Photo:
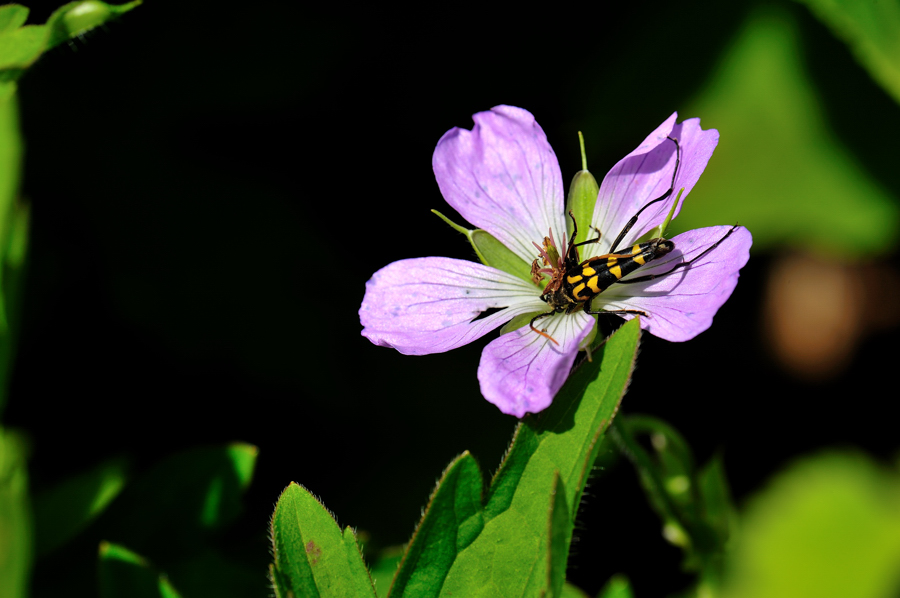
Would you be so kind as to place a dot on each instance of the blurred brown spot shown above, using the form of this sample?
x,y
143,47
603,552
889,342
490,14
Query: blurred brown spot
x,y
816,310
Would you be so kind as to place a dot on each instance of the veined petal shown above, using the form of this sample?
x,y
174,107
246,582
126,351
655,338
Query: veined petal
x,y
503,176
644,175
429,305
682,304
522,371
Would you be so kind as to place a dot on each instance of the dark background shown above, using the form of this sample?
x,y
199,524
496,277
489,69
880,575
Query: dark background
x,y
213,183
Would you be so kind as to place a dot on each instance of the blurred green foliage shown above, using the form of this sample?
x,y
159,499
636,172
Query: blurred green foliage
x,y
871,30
779,168
828,526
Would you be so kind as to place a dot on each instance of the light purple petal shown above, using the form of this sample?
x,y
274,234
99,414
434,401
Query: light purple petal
x,y
521,371
503,176
645,174
427,305
681,305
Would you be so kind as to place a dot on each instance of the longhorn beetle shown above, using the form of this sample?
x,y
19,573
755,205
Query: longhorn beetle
x,y
574,284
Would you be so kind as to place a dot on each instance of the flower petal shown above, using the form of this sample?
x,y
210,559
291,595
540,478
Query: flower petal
x,y
429,305
503,176
522,371
644,175
682,304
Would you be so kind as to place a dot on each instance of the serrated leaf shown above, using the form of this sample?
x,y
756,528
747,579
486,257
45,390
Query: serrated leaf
x,y
312,556
67,508
510,557
810,193
451,521
126,574
871,30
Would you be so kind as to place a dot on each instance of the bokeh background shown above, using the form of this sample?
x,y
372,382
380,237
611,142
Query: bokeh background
x,y
212,183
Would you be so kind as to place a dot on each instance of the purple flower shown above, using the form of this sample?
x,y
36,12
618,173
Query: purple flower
x,y
503,177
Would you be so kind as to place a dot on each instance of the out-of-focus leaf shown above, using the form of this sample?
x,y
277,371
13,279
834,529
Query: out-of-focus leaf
x,y
382,572
312,556
167,510
12,16
15,517
77,18
21,46
777,169
14,219
64,510
125,574
695,507
827,527
617,587
570,591
871,30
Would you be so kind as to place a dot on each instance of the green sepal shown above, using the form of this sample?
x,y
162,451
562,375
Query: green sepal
x,y
664,227
492,252
126,574
582,199
61,512
312,556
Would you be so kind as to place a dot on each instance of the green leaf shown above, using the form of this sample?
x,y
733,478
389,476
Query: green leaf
x,y
14,222
871,30
570,591
169,509
312,557
77,18
21,46
12,16
125,574
618,586
452,520
512,554
679,494
777,169
15,517
560,532
63,511
490,251
383,571
828,526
